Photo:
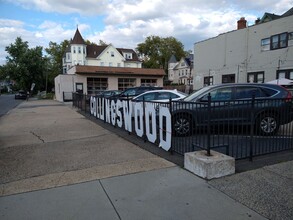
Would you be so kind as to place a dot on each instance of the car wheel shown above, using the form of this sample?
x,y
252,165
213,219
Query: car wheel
x,y
182,125
267,124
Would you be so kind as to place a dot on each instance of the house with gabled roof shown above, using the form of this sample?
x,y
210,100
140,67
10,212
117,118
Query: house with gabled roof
x,y
80,53
91,68
258,53
181,72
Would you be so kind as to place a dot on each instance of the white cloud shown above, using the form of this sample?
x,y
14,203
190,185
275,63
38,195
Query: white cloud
x,y
84,7
129,22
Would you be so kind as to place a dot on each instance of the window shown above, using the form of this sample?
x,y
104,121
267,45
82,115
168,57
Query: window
x,y
79,88
68,56
249,92
265,44
74,51
112,54
147,97
222,94
96,85
166,95
255,77
208,80
288,74
83,50
148,82
290,39
229,78
279,41
128,55
79,50
124,83
290,36
102,63
110,64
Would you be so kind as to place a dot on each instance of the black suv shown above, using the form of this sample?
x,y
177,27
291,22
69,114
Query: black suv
x,y
233,104
134,91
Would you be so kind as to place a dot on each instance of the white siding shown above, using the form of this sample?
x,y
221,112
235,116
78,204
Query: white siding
x,y
239,52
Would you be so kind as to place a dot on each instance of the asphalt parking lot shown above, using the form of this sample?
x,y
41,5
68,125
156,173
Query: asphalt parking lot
x,y
57,164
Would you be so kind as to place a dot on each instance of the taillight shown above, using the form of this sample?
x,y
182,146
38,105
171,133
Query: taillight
x,y
288,98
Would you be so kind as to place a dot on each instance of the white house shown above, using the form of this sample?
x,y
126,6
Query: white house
x,y
89,69
258,53
181,72
80,53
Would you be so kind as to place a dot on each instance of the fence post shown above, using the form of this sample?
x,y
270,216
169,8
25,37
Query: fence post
x,y
170,108
127,98
84,95
209,127
251,127
73,99
144,120
104,100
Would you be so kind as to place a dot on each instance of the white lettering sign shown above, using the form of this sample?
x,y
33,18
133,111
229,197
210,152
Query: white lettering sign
x,y
145,118
138,116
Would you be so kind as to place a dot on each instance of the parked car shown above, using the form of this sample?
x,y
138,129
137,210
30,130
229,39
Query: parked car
x,y
110,93
231,104
135,91
21,94
160,96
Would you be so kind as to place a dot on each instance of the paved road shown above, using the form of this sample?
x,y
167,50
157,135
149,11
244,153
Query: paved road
x,y
7,102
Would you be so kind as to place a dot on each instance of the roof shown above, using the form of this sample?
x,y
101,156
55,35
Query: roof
x,y
94,50
188,61
270,17
288,13
77,39
124,50
80,69
172,59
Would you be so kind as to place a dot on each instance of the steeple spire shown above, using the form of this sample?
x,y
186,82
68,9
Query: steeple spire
x,y
77,39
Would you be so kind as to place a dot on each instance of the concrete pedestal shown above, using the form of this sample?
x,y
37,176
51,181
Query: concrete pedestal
x,y
209,167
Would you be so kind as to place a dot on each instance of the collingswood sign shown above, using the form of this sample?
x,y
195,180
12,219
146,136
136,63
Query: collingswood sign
x,y
110,111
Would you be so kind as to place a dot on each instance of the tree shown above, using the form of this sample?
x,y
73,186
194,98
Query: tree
x,y
55,53
101,43
24,65
156,51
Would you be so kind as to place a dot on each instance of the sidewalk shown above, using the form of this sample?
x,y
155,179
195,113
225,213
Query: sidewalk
x,y
56,164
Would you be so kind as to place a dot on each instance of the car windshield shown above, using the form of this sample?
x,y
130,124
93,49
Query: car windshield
x,y
192,96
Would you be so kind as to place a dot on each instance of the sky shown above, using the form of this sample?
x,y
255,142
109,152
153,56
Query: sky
x,y
126,23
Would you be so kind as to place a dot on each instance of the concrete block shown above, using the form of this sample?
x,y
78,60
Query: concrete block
x,y
209,167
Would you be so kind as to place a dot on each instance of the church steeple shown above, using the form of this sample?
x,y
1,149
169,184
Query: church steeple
x,y
77,39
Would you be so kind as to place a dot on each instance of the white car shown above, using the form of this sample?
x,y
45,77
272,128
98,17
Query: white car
x,y
160,96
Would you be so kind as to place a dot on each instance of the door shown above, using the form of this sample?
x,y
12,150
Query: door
x,y
79,88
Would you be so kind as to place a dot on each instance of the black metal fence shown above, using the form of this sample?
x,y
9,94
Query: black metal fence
x,y
241,129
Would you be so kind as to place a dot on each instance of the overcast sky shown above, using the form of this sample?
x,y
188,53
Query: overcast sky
x,y
125,23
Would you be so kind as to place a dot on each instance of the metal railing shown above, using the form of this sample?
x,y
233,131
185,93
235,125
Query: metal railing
x,y
241,129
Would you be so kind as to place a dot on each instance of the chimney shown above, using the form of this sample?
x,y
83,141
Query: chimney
x,y
257,21
241,23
